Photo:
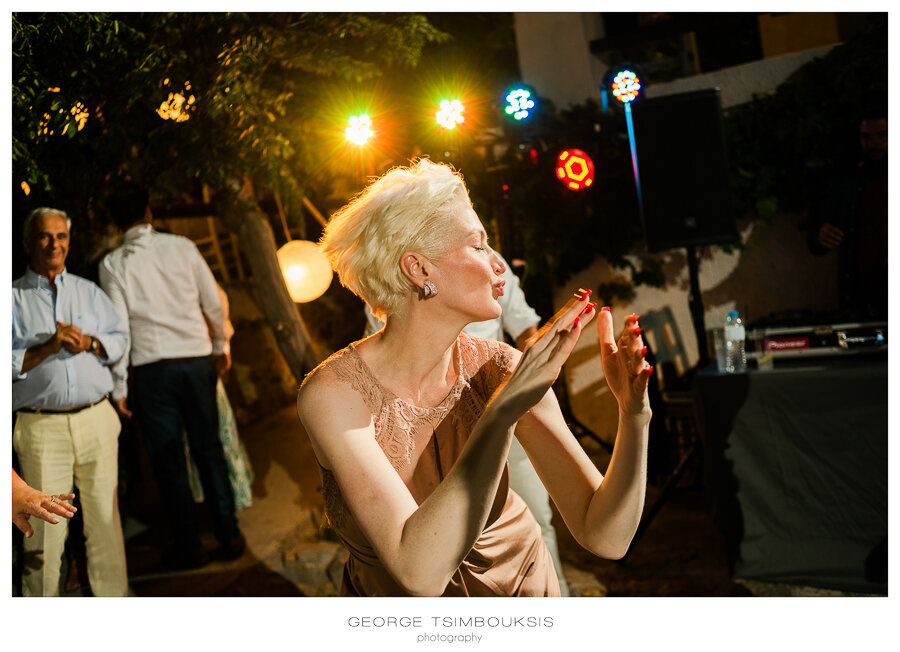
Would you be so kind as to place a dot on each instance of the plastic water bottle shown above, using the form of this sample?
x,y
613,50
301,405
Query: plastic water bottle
x,y
735,336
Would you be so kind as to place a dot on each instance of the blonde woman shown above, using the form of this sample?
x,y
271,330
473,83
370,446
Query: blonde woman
x,y
411,426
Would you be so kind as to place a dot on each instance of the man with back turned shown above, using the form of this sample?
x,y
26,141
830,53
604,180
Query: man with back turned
x,y
160,283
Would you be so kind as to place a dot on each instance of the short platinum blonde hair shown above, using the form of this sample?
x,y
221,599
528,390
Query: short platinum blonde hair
x,y
407,209
34,216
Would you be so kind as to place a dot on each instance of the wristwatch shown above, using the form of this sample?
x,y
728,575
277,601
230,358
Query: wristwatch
x,y
95,345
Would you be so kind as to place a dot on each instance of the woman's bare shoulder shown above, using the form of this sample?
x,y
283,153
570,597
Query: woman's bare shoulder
x,y
328,384
332,411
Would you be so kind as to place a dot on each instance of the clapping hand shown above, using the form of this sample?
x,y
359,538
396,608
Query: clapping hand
x,y
71,338
545,353
626,370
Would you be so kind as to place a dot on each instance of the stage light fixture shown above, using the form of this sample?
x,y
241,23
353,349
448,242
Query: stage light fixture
x,y
360,129
626,86
519,103
575,169
450,114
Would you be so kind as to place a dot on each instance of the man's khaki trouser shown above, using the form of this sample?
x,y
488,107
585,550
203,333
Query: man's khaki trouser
x,y
55,451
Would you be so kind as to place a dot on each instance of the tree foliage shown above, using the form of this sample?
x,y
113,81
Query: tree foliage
x,y
249,87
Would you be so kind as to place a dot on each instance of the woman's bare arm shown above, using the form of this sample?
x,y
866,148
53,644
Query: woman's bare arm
x,y
602,512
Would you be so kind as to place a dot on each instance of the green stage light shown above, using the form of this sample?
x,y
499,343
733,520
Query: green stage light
x,y
519,103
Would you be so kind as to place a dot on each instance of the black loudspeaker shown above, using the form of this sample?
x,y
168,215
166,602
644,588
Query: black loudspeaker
x,y
683,169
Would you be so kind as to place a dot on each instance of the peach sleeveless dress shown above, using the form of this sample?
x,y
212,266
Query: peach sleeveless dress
x,y
510,557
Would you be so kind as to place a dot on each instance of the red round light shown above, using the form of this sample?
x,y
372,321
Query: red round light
x,y
575,169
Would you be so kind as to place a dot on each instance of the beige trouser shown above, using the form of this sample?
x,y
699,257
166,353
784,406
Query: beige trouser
x,y
54,450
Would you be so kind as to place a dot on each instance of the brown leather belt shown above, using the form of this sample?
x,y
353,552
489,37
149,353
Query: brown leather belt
x,y
71,410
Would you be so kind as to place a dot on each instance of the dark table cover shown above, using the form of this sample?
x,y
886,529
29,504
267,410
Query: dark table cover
x,y
795,466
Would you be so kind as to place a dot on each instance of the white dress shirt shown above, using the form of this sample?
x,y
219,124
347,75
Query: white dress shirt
x,y
161,285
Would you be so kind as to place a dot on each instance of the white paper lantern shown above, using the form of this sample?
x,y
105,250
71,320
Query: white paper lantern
x,y
307,272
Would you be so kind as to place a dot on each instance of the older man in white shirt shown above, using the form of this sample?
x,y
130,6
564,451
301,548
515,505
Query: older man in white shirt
x,y
65,335
160,283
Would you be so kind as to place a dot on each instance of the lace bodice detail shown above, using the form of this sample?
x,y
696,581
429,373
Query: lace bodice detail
x,y
423,443
402,428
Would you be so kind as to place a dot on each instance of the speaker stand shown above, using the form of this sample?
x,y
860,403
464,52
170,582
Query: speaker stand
x,y
695,302
669,485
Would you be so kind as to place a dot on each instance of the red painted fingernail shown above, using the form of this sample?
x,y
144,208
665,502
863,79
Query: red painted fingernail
x,y
644,351
588,309
576,322
606,308
637,330
650,371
